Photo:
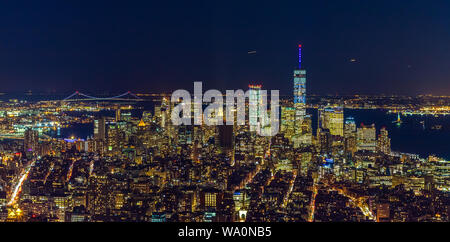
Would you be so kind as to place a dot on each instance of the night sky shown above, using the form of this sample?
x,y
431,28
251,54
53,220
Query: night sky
x,y
398,47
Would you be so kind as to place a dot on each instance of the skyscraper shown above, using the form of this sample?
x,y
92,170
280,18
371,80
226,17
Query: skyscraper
x,y
288,121
302,130
31,139
366,138
99,129
254,113
350,127
332,118
350,135
299,91
118,116
225,137
384,142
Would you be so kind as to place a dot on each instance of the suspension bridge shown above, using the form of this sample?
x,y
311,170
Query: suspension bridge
x,y
78,96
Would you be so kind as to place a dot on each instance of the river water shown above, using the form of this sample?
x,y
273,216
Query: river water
x,y
415,134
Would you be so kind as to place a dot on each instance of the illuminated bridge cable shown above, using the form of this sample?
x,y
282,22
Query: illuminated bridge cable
x,y
77,93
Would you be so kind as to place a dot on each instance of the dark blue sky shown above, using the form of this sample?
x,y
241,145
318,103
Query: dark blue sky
x,y
400,47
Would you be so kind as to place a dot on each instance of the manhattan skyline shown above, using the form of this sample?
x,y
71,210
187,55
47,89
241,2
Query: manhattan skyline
x,y
253,112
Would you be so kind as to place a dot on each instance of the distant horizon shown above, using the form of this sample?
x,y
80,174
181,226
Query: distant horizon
x,y
168,93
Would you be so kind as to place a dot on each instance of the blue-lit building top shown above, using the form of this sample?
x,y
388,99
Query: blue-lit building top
x,y
300,86
350,120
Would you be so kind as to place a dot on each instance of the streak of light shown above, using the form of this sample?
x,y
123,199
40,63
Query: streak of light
x,y
312,206
18,187
49,172
69,173
291,187
357,202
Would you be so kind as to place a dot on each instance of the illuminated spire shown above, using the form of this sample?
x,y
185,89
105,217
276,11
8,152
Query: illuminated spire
x,y
299,56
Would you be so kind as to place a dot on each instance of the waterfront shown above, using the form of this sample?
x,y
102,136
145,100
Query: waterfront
x,y
410,137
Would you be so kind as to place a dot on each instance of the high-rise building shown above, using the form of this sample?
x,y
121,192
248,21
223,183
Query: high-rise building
x,y
255,97
116,138
225,137
367,138
302,123
299,91
184,134
287,122
100,129
118,116
349,127
243,149
384,142
332,118
31,140
350,135
303,137
324,138
164,112
98,195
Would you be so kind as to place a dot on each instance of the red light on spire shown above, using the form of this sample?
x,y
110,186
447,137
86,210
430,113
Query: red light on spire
x,y
299,46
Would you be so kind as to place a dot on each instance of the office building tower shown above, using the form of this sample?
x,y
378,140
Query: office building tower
x,y
184,134
304,134
225,137
118,116
325,141
350,135
287,122
299,92
255,98
349,127
31,140
366,138
384,142
100,128
332,118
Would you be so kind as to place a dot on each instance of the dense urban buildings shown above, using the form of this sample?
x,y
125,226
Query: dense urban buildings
x,y
224,119
122,159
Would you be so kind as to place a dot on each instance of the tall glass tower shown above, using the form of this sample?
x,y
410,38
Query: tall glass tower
x,y
254,114
299,90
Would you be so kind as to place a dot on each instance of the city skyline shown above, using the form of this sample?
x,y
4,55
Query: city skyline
x,y
255,114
